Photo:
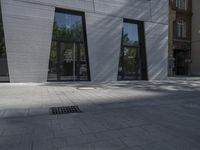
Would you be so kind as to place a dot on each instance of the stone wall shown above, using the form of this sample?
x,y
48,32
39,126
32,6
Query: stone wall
x,y
28,30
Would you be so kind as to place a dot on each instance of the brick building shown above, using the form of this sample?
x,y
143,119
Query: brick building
x,y
180,21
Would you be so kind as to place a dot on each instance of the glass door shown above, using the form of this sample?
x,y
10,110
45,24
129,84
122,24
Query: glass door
x,y
72,63
68,58
129,64
67,61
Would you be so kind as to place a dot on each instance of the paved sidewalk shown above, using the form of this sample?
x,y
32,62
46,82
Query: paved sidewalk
x,y
115,116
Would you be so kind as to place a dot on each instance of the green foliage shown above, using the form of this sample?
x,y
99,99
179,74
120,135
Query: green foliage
x,y
74,33
127,41
130,55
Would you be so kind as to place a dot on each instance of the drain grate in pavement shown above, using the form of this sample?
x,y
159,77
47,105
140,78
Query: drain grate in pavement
x,y
64,110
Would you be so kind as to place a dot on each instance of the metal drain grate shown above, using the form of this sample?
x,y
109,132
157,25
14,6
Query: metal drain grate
x,y
64,110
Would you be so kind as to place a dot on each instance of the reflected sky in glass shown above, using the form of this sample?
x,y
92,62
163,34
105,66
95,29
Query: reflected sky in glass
x,y
131,32
67,20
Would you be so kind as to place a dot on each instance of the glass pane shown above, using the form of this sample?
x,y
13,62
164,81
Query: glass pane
x,y
130,63
68,27
130,34
3,57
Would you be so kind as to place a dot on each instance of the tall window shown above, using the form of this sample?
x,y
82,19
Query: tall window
x,y
68,57
3,58
132,57
181,28
181,4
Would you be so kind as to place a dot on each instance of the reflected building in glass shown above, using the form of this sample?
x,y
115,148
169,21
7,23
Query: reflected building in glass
x,y
89,40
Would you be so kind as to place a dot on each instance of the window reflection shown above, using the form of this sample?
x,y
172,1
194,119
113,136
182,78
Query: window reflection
x,y
68,27
129,65
130,34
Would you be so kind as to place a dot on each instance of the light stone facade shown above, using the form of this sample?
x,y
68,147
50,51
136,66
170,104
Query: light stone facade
x,y
28,28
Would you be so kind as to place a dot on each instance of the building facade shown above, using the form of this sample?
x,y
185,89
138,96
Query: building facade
x,y
83,40
195,68
180,14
